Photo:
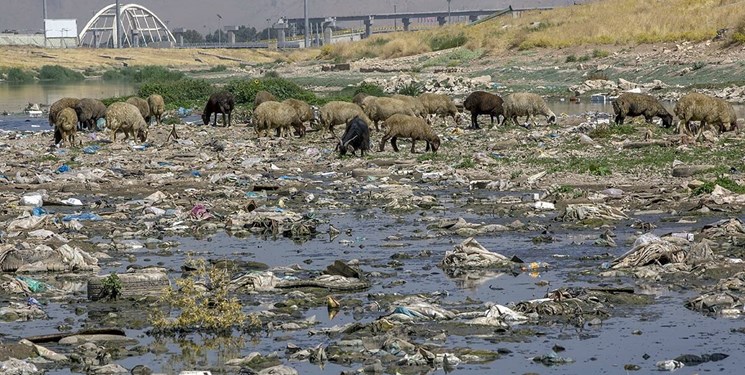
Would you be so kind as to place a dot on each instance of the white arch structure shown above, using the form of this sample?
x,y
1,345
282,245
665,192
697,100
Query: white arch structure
x,y
102,31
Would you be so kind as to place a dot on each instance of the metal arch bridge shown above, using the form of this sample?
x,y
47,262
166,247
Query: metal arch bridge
x,y
139,27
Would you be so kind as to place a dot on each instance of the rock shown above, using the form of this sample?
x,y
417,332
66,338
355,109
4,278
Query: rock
x,y
690,170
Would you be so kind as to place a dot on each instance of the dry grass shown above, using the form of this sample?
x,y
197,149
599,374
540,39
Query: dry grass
x,y
610,22
81,58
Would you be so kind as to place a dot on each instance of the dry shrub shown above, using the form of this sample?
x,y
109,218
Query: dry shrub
x,y
403,47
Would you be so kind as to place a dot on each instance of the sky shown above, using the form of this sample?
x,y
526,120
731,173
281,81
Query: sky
x,y
201,15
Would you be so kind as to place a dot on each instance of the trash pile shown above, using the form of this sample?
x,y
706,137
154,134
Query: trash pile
x,y
439,84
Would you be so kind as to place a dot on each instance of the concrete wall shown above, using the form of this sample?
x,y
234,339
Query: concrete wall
x,y
37,40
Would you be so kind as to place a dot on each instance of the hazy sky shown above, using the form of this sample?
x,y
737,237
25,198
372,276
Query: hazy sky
x,y
201,15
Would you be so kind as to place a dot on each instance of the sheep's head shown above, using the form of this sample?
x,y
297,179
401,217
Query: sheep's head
x,y
206,118
552,119
667,120
435,144
142,134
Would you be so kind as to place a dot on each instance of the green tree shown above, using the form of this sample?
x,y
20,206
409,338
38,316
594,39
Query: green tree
x,y
192,36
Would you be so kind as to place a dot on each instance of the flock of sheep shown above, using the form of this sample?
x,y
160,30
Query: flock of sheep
x,y
403,116
68,115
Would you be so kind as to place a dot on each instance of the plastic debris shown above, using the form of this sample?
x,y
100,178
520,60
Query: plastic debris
x,y
87,216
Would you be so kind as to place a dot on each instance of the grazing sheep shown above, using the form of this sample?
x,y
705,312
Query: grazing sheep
x,y
439,105
60,105
405,126
275,115
416,105
304,111
359,98
66,126
142,105
726,122
706,109
336,112
380,109
484,103
126,118
157,107
264,96
356,137
219,102
632,105
526,104
89,111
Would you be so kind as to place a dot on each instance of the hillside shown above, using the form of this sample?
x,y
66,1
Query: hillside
x,y
602,23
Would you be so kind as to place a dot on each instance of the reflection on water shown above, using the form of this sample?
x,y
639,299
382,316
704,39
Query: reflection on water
x,y
14,98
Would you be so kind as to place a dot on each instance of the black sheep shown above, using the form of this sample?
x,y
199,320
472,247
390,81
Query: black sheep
x,y
483,103
219,102
631,105
356,137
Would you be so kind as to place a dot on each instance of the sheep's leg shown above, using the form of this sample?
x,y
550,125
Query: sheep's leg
x,y
413,143
393,144
382,143
619,119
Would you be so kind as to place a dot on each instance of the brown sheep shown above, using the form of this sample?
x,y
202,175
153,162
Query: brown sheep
x,y
483,103
632,105
157,107
405,126
416,105
380,109
126,118
66,125
89,111
337,112
142,105
304,111
359,98
275,115
439,105
263,96
526,104
60,105
706,109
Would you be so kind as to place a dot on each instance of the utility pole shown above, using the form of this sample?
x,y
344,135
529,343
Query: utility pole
x,y
395,26
305,14
219,30
449,12
44,8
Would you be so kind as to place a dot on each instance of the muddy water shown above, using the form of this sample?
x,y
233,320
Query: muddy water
x,y
14,98
662,330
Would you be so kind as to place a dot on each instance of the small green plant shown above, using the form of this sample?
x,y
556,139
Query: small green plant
x,y
571,59
410,89
698,65
271,74
59,73
584,58
466,163
457,57
441,42
516,174
185,92
245,90
143,74
599,53
722,181
111,287
217,69
598,169
18,75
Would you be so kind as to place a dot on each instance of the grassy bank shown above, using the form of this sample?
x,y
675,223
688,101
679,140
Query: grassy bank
x,y
610,22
